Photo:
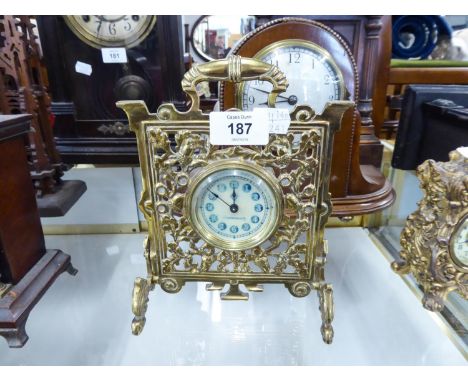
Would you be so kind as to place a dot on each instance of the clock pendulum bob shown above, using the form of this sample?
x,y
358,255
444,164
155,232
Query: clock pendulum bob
x,y
434,241
232,215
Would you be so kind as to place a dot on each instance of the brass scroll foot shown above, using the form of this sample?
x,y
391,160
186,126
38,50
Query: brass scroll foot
x,y
141,291
401,267
325,295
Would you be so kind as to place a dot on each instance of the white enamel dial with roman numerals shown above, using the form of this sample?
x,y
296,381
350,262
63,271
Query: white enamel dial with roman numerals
x,y
108,31
314,78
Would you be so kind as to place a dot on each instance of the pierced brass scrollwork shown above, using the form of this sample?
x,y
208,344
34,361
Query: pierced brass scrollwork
x,y
174,147
425,239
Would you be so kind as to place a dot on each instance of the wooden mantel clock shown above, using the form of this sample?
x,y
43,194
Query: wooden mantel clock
x,y
320,67
84,87
234,215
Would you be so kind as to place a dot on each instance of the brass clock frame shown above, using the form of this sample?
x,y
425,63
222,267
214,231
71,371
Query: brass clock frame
x,y
235,164
427,238
91,39
296,42
174,145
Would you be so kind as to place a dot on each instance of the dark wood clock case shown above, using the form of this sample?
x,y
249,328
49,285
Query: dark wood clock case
x,y
88,126
356,188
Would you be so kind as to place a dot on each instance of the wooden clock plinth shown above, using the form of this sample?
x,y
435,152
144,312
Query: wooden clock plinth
x,y
18,301
27,269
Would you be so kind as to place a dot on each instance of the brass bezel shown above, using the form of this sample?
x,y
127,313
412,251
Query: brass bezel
x,y
296,42
91,39
251,242
458,264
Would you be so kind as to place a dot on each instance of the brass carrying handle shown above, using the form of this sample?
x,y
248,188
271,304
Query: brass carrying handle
x,y
234,69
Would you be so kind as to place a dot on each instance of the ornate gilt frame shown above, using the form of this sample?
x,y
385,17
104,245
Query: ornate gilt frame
x,y
426,237
174,145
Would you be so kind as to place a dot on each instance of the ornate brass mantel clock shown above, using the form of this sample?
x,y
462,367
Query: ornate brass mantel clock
x,y
435,238
234,215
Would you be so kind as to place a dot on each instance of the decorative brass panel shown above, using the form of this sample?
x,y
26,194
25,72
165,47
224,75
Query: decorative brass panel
x,y
174,152
426,240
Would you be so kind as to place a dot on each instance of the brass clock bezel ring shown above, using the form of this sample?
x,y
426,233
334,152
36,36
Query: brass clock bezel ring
x,y
251,242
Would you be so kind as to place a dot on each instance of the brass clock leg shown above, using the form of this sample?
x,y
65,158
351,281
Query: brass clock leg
x,y
435,296
234,293
141,291
325,294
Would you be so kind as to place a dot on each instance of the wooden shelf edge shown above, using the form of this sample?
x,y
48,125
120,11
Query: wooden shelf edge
x,y
364,204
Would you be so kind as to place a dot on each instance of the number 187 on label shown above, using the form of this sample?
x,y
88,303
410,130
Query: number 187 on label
x,y
238,128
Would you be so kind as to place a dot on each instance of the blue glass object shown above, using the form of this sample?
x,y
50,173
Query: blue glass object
x,y
258,208
245,226
213,218
222,226
255,196
209,207
234,229
255,219
211,196
247,187
234,184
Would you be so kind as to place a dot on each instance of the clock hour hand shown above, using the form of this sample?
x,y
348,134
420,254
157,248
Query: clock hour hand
x,y
267,92
234,207
292,100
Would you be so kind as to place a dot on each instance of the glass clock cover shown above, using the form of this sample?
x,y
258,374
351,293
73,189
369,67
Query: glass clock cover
x,y
235,206
314,78
108,31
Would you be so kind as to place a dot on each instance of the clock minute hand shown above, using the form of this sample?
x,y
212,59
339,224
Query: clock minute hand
x,y
217,196
266,103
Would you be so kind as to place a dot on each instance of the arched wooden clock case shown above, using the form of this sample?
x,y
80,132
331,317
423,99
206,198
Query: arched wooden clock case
x,y
355,189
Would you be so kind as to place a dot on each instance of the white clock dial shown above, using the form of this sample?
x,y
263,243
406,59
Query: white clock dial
x,y
116,30
234,208
459,247
314,78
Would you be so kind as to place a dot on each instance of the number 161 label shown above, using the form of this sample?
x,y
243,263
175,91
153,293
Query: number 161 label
x,y
238,128
114,55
